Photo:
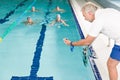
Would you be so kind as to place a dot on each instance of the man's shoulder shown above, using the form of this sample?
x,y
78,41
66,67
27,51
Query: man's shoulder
x,y
108,10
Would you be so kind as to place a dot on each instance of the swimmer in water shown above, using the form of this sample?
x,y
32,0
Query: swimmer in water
x,y
29,21
58,9
58,20
34,9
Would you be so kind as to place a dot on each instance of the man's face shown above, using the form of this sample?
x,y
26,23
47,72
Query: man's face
x,y
88,16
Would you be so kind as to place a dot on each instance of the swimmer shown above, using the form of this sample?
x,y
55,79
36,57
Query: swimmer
x,y
59,20
34,9
58,9
29,21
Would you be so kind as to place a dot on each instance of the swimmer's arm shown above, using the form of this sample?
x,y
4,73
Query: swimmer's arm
x,y
31,23
54,10
37,10
62,10
52,23
26,23
64,23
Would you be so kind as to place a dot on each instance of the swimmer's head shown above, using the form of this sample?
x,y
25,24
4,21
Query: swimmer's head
x,y
29,20
33,9
58,16
57,8
28,17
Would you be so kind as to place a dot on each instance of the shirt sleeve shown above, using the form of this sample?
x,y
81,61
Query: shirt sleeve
x,y
96,28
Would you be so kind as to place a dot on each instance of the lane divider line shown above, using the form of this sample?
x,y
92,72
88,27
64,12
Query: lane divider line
x,y
15,22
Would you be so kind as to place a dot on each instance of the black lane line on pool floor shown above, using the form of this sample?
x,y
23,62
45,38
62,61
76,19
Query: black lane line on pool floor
x,y
37,55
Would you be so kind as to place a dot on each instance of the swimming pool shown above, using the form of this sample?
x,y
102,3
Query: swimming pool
x,y
38,49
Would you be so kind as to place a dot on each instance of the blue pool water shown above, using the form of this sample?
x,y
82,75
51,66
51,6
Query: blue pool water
x,y
39,47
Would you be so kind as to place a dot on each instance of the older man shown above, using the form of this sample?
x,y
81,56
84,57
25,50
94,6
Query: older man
x,y
106,21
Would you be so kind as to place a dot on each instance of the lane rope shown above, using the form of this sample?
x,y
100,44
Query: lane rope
x,y
15,22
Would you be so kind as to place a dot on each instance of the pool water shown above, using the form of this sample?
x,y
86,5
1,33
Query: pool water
x,y
21,43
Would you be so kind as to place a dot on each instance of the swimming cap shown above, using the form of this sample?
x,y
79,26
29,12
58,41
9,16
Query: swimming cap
x,y
58,15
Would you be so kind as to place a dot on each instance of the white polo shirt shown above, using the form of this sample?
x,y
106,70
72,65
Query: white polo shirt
x,y
107,21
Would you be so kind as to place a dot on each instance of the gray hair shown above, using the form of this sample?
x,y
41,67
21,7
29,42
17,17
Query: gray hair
x,y
89,7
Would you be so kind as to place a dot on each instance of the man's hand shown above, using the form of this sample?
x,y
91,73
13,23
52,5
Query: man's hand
x,y
66,41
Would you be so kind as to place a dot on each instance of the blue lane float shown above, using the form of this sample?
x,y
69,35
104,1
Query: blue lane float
x,y
15,22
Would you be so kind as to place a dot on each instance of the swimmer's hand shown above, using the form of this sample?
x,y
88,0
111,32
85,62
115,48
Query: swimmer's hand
x,y
66,41
67,25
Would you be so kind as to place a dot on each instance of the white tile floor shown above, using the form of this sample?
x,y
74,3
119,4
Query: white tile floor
x,y
99,45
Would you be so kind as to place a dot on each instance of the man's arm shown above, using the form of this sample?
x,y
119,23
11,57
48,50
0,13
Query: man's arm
x,y
87,41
